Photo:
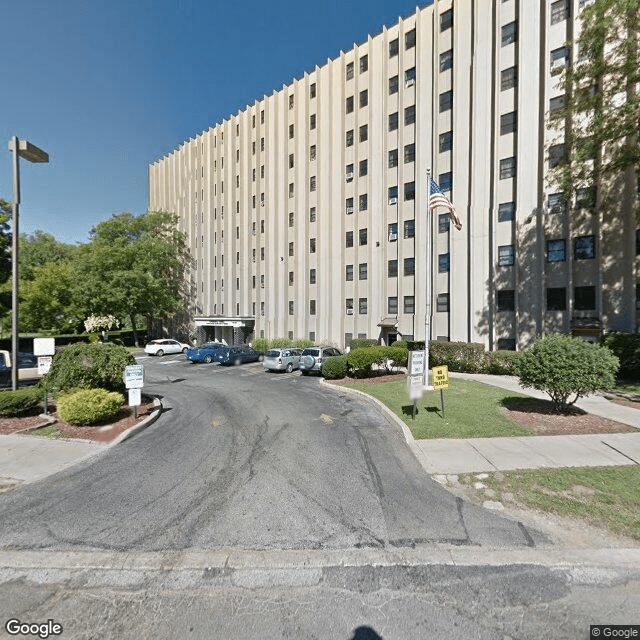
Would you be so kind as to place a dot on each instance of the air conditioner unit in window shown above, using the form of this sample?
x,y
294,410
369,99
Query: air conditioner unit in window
x,y
349,209
349,312
393,236
393,200
410,82
253,232
349,175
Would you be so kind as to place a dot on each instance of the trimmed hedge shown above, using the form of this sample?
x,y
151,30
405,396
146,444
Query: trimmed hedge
x,y
260,344
457,356
88,406
363,343
627,347
502,363
12,403
335,367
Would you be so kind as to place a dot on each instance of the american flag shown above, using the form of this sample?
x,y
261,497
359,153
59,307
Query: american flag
x,y
438,199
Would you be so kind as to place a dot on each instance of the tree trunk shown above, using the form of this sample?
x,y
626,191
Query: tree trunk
x,y
132,317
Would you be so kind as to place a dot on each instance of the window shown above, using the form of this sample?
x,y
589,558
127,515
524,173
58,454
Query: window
x,y
445,181
291,101
556,250
312,307
290,307
291,218
363,202
506,211
349,205
362,306
585,197
509,33
410,114
349,105
443,263
312,214
409,191
349,71
262,116
312,183
291,131
290,278
349,138
638,242
446,20
312,276
409,266
291,161
393,48
508,122
393,121
312,121
409,304
506,299
508,78
393,231
444,221
291,248
363,167
584,298
393,158
312,245
392,269
364,133
556,104
312,152
556,299
506,344
348,171
409,153
393,85
557,155
409,228
364,63
348,304
348,273
446,100
291,189
559,11
363,271
392,306
584,248
392,193
312,90
410,39
507,168
349,239
446,141
506,255
362,237
409,77
364,98
559,58
555,202
446,60
442,302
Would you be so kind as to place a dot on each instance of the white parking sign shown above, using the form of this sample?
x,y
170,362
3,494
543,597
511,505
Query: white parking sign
x,y
134,376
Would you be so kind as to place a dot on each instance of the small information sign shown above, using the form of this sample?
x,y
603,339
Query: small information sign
x,y
416,362
135,397
440,377
415,388
134,376
44,346
44,364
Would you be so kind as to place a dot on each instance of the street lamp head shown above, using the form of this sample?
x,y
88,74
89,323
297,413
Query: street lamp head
x,y
29,151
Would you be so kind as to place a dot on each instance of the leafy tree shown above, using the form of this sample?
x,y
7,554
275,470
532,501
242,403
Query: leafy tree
x,y
40,248
564,366
5,265
134,266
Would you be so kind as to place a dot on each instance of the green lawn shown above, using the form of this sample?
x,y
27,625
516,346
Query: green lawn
x,y
602,496
471,409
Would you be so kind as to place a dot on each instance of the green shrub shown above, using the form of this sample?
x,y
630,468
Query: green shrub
x,y
398,355
363,343
502,363
401,343
89,366
627,347
12,403
280,342
362,360
88,406
335,367
303,344
457,356
260,344
563,366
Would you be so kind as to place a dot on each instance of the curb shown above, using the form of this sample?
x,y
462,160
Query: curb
x,y
131,431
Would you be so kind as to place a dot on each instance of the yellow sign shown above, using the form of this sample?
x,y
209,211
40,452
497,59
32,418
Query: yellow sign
x,y
440,377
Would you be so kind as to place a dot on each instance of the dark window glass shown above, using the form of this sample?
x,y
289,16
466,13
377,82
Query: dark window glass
x,y
446,100
585,298
409,266
506,211
443,263
585,248
409,191
393,48
509,33
446,60
392,306
393,85
410,114
393,158
349,239
442,302
508,78
508,122
556,298
506,255
446,141
392,269
556,250
362,237
446,20
506,299
393,121
410,39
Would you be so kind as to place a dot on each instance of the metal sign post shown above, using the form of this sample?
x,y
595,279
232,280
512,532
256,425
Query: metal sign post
x,y
415,379
134,381
440,377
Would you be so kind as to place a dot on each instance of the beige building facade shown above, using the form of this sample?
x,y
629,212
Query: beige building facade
x,y
306,212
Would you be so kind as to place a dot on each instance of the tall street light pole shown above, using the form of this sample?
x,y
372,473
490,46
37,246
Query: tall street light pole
x,y
20,149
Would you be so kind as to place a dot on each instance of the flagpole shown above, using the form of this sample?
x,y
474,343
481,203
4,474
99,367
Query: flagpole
x,y
429,265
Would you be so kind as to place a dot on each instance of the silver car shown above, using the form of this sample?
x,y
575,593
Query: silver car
x,y
285,359
313,357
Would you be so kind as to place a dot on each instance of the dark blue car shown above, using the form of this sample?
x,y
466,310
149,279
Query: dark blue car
x,y
237,354
205,353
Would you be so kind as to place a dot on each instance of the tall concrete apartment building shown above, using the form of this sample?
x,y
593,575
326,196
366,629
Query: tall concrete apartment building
x,y
306,212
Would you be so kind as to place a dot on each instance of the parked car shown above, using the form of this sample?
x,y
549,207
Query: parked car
x,y
27,368
205,353
165,345
237,354
286,359
313,357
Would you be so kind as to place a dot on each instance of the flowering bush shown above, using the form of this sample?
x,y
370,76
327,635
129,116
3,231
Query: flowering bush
x,y
98,323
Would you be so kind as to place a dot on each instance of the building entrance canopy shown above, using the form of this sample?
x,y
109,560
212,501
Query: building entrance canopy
x,y
223,321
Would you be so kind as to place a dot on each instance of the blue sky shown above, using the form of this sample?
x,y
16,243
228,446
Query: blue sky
x,y
106,87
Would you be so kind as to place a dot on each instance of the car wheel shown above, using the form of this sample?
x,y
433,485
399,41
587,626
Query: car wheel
x,y
289,368
208,359
236,362
260,358
159,352
184,350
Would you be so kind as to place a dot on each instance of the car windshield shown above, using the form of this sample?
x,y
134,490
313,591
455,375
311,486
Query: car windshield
x,y
311,352
211,345
273,354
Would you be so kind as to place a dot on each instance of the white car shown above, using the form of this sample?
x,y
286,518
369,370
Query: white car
x,y
160,347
